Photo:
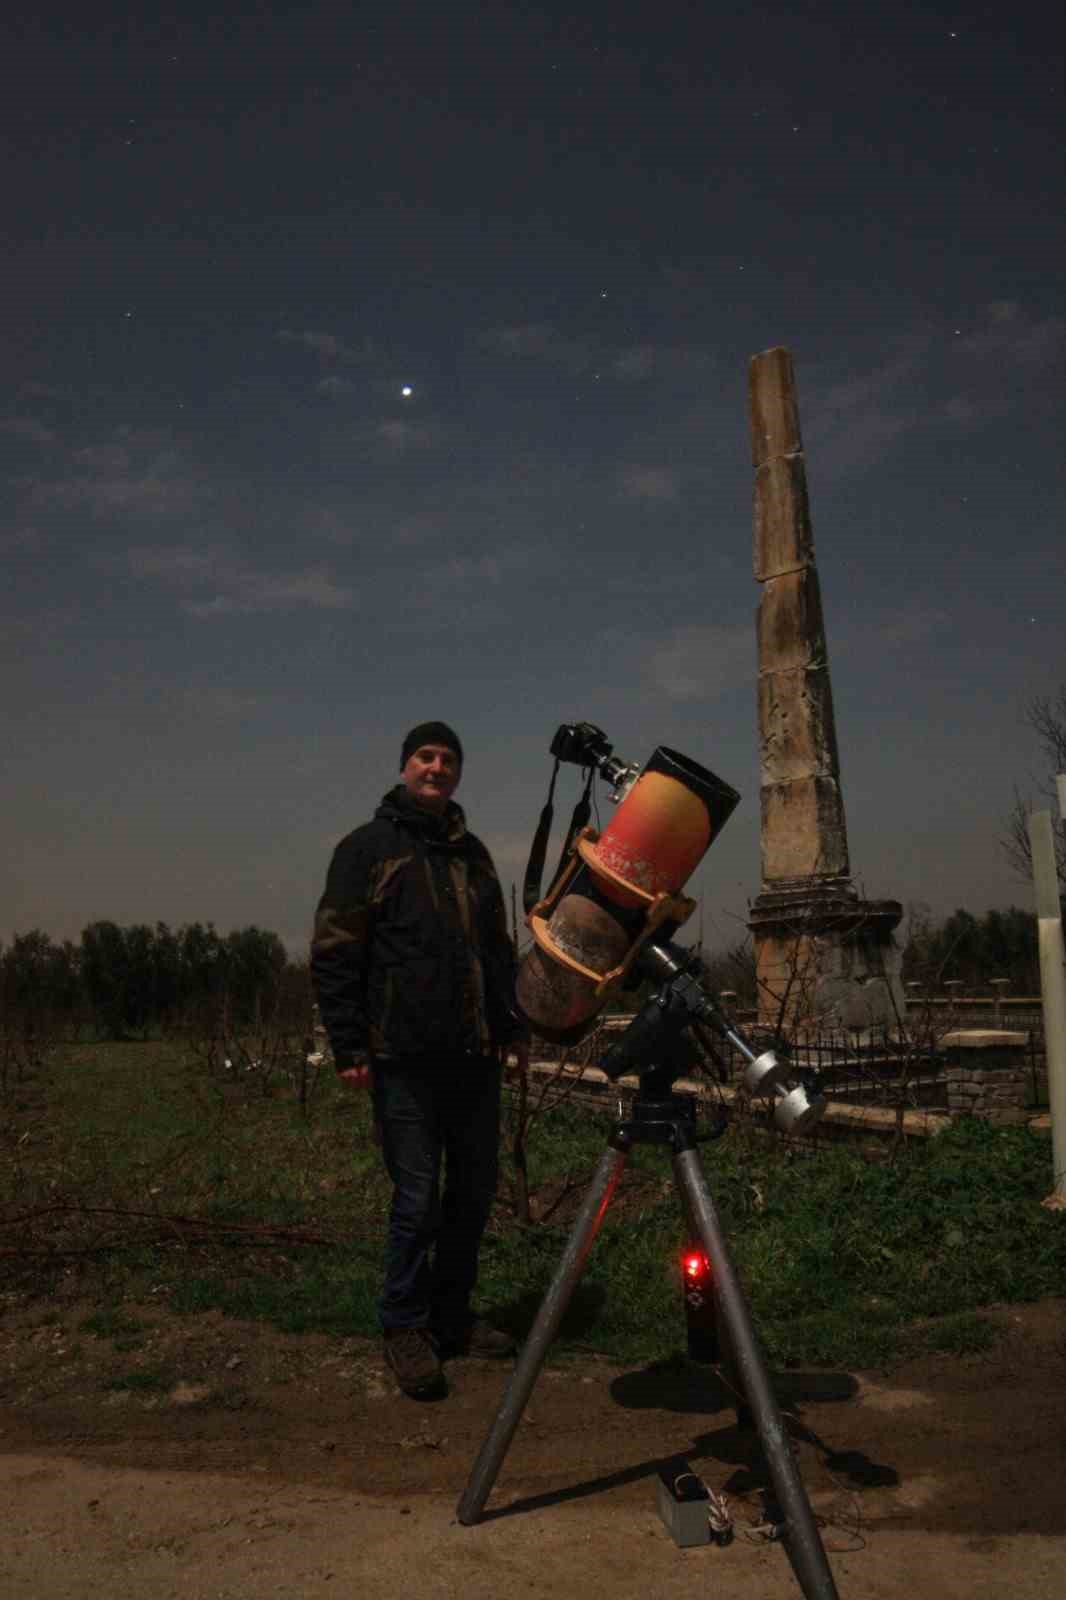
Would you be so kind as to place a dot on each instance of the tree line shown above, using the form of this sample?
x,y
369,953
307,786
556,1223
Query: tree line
x,y
131,982
961,948
972,950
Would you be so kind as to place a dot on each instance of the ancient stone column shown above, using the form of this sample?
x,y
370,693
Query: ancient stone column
x,y
803,828
824,957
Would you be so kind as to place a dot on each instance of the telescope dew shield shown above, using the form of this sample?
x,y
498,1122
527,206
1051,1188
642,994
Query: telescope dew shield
x,y
617,888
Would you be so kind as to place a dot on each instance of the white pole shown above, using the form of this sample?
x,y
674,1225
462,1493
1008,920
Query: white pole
x,y
1053,986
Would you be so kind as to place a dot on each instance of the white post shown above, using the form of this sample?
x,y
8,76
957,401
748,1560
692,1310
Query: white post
x,y
1053,986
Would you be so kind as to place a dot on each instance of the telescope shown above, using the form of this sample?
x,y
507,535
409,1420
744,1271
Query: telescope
x,y
608,919
616,888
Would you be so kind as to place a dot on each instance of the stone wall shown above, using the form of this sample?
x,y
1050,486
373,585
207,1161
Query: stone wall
x,y
986,1074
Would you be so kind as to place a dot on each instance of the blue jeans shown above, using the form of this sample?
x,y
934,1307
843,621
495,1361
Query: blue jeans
x,y
444,1113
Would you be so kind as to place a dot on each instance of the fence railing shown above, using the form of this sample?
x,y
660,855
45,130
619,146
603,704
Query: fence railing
x,y
884,1066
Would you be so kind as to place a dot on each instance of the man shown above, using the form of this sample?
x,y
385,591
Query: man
x,y
413,970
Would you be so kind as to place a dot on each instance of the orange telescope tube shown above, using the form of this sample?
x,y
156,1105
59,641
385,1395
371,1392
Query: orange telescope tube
x,y
618,887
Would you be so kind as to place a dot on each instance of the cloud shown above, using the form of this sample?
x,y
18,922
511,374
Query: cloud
x,y
179,562
696,663
1009,334
892,631
474,571
672,363
249,592
22,540
927,380
27,428
468,589
541,340
649,483
325,522
325,345
132,474
234,587
396,437
850,424
1007,350
334,385
637,362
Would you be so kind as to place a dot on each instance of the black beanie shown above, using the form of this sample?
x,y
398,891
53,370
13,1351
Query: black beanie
x,y
430,733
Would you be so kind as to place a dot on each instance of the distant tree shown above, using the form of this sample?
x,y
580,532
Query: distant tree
x,y
106,977
141,1002
37,994
1046,718
202,963
253,962
166,975
973,950
69,994
733,970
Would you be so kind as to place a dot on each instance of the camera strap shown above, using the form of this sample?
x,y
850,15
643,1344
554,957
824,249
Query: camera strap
x,y
538,850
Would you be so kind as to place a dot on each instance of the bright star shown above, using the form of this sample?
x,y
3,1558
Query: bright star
x,y
407,391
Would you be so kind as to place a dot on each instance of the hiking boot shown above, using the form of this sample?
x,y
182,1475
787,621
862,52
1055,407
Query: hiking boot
x,y
411,1355
474,1337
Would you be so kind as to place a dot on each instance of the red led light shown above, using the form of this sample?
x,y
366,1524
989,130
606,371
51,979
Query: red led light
x,y
696,1265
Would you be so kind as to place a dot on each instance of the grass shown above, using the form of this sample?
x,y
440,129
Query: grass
x,y
135,1172
142,1381
111,1323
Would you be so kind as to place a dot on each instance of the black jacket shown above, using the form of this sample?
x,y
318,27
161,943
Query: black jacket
x,y
410,954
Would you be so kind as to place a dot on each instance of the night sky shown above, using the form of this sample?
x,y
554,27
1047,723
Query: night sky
x,y
379,363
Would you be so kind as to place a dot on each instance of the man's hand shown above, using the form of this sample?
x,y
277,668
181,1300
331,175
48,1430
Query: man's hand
x,y
519,1051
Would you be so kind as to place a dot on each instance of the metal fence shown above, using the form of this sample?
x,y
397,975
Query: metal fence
x,y
880,1067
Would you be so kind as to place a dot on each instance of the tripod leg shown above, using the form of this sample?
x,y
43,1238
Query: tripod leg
x,y
802,1540
543,1331
729,1367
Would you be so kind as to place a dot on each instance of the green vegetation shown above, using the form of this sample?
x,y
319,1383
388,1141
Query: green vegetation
x,y
142,1381
143,1173
122,983
1000,944
112,1323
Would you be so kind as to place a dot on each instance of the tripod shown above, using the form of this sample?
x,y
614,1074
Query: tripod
x,y
660,1117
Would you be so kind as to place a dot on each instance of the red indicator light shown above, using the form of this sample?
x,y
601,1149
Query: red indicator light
x,y
696,1265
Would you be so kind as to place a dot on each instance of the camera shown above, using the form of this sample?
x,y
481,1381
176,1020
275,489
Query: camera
x,y
582,743
585,745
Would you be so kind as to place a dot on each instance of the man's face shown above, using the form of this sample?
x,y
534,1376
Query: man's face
x,y
431,775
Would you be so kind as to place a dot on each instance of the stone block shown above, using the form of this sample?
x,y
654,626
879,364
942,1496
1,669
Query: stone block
x,y
972,1039
790,628
774,411
783,536
796,730
803,829
985,1073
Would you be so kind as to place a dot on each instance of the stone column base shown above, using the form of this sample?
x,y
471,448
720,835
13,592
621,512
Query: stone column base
x,y
825,959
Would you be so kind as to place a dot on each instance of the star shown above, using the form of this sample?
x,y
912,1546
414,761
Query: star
x,y
407,391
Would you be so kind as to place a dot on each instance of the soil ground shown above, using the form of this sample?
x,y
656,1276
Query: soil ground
x,y
213,1460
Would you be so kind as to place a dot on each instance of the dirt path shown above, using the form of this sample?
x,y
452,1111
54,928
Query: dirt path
x,y
241,1464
